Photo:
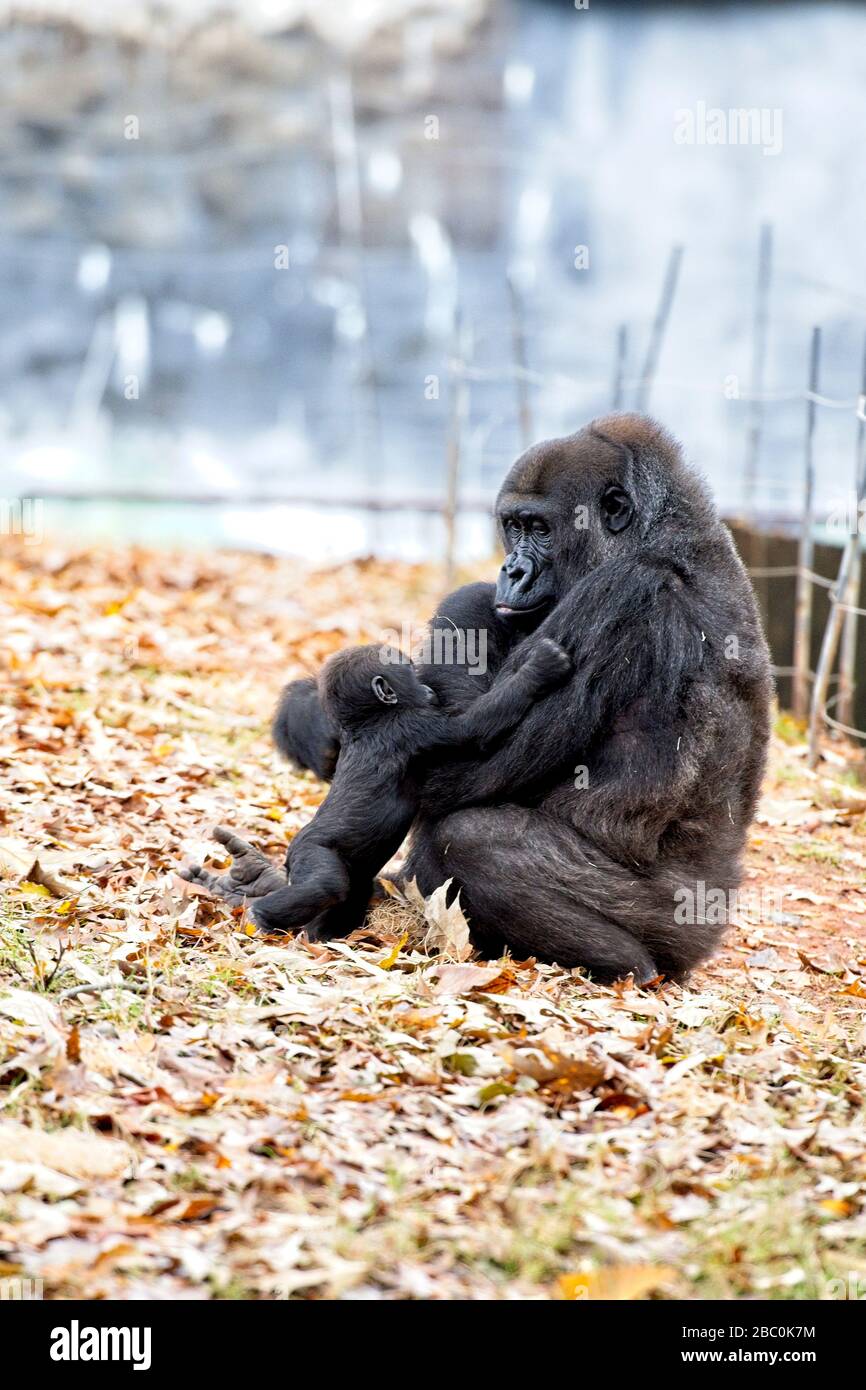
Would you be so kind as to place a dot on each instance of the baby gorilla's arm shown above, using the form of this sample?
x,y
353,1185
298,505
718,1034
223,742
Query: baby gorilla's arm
x,y
251,875
320,882
510,697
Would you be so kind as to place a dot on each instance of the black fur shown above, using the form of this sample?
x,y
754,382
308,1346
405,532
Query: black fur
x,y
390,726
642,777
302,731
570,839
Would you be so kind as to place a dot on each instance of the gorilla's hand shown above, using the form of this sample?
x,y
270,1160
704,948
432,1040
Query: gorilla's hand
x,y
251,875
548,663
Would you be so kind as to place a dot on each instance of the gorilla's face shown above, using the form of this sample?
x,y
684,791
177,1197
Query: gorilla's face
x,y
618,487
566,505
525,587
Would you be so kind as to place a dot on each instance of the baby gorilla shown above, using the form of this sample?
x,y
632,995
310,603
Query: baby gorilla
x,y
389,729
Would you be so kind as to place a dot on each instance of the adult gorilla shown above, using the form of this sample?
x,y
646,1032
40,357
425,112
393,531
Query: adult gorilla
x,y
592,833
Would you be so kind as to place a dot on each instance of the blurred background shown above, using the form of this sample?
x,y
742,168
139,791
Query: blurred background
x,y
300,274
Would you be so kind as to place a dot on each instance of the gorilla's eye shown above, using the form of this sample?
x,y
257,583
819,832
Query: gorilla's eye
x,y
616,508
539,527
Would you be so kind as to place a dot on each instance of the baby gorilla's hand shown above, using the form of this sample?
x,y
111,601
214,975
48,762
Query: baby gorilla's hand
x,y
548,664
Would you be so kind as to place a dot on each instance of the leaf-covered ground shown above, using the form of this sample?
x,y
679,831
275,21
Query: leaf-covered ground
x,y
189,1110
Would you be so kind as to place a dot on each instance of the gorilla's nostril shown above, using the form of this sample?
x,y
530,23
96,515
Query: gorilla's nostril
x,y
522,579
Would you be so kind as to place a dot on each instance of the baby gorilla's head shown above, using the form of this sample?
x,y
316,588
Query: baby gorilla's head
x,y
361,683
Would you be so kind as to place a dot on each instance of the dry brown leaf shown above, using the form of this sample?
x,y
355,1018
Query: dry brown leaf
x,y
56,887
554,1071
460,979
69,1151
34,1010
73,1045
448,930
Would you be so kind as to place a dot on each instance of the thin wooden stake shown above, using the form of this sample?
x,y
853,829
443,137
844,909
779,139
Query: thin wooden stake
x,y
833,629
350,232
848,649
806,549
757,549
518,350
616,400
660,323
459,399
848,653
829,645
759,363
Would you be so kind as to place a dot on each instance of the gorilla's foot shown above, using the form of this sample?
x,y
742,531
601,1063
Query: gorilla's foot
x,y
252,875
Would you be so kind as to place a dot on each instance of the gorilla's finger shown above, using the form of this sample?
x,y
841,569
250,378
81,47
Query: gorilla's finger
x,y
221,886
197,874
233,843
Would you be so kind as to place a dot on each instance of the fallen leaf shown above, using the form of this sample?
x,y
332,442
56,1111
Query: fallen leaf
x,y
73,1152
554,1071
25,1006
835,1206
391,958
73,1045
448,930
461,978
616,1282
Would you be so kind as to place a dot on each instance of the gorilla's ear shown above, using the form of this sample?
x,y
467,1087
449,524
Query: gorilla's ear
x,y
383,691
617,508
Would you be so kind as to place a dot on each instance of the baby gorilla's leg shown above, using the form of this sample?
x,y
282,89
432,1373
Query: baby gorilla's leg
x,y
251,875
319,882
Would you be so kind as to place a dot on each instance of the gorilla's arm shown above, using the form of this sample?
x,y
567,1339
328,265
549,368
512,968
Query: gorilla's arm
x,y
635,633
507,701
